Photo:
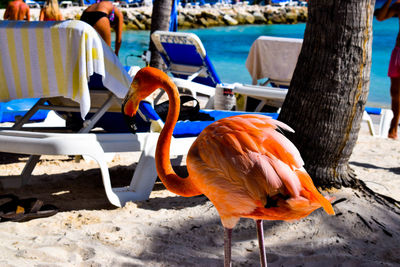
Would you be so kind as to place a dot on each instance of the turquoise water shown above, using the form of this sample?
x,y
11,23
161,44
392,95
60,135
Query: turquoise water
x,y
228,48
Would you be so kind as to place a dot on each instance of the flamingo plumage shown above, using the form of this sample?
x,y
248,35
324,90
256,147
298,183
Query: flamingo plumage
x,y
244,166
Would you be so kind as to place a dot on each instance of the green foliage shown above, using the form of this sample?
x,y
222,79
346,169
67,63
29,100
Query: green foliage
x,y
3,3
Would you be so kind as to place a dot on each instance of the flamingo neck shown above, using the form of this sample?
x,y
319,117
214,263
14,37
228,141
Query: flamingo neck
x,y
173,182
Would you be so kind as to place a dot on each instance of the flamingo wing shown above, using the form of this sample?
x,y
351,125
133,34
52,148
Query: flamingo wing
x,y
245,166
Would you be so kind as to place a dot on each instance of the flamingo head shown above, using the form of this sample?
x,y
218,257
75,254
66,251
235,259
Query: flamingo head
x,y
146,81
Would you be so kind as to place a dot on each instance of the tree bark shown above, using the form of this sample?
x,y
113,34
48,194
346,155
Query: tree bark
x,y
329,88
159,21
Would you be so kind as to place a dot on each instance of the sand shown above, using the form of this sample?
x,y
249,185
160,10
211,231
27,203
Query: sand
x,y
168,230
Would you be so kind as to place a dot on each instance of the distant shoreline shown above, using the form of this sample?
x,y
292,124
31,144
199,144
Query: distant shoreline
x,y
139,18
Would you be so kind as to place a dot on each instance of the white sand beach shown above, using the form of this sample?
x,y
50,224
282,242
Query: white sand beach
x,y
169,230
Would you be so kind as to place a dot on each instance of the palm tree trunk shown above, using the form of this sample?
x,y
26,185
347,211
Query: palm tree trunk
x,y
330,87
159,21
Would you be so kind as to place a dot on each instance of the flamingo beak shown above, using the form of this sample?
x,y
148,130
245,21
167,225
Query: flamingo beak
x,y
129,109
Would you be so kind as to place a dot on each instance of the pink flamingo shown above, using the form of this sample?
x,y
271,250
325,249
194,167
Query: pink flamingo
x,y
242,164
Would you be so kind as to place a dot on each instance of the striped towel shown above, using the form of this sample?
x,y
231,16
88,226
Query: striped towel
x,y
47,59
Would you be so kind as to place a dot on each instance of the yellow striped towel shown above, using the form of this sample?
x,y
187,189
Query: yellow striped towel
x,y
46,59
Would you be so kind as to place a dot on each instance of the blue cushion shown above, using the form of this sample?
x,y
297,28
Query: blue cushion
x,y
194,128
183,54
19,107
375,111
187,55
147,110
114,122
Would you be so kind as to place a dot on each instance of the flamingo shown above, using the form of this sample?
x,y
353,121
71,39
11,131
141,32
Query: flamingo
x,y
242,164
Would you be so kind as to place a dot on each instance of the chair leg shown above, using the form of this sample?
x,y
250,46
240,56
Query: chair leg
x,y
29,166
145,173
143,179
368,119
384,125
111,195
18,124
260,106
210,103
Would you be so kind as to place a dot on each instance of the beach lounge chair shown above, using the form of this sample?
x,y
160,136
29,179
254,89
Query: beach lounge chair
x,y
61,83
272,60
187,61
53,61
385,117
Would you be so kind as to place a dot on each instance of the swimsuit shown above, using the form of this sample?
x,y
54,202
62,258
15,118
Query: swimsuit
x,y
92,17
394,65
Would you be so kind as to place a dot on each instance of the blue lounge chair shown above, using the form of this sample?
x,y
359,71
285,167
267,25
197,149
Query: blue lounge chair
x,y
186,57
187,61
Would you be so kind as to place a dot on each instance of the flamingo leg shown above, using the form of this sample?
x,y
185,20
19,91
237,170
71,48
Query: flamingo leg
x,y
260,235
227,247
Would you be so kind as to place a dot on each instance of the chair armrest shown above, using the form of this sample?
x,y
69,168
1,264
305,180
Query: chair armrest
x,y
194,87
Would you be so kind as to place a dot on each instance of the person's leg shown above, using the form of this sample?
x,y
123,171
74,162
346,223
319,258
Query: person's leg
x,y
395,95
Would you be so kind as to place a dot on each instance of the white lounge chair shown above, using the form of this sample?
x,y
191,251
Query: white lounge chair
x,y
51,59
272,60
386,116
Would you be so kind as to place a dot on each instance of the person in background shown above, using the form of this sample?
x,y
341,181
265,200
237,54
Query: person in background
x,y
103,16
50,11
385,12
17,10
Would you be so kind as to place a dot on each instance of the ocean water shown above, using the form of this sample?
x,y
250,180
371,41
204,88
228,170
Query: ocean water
x,y
228,48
